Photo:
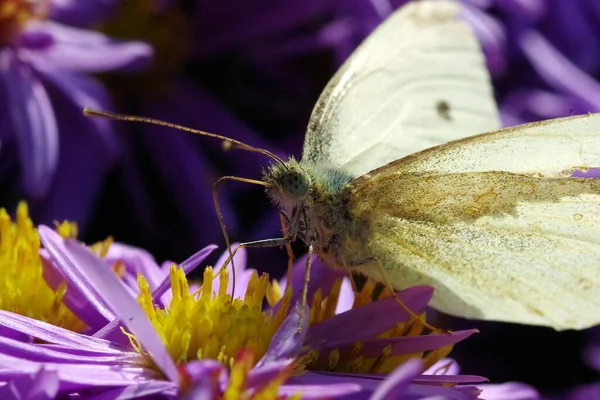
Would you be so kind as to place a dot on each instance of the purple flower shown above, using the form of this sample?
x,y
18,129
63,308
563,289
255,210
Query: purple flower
x,y
45,81
216,342
89,363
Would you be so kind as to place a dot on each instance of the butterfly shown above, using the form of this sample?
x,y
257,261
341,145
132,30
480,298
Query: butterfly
x,y
391,184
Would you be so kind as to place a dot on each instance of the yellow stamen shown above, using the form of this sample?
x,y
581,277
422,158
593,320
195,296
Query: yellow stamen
x,y
273,293
237,377
66,229
23,289
334,359
209,324
101,248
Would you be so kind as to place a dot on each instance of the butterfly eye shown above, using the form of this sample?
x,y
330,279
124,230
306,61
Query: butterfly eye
x,y
295,184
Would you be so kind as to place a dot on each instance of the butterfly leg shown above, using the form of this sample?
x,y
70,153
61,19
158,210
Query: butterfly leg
x,y
415,319
288,246
307,266
274,242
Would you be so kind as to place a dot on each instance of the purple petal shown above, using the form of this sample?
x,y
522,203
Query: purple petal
x,y
532,10
88,51
197,368
78,376
124,305
421,392
445,366
558,71
399,345
262,375
397,381
538,104
287,341
346,297
189,265
136,260
590,173
112,332
82,166
83,91
82,295
49,333
43,353
366,383
34,123
205,388
492,36
34,37
372,318
592,356
41,385
141,390
485,4
319,392
509,391
206,376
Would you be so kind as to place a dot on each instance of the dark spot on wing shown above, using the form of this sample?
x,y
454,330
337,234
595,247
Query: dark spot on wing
x,y
443,110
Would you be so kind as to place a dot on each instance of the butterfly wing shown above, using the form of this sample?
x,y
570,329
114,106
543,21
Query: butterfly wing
x,y
494,223
417,81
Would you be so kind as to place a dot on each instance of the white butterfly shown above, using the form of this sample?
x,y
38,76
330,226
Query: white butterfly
x,y
494,222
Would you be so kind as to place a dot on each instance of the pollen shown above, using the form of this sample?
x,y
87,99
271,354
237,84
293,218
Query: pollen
x,y
209,324
14,14
23,289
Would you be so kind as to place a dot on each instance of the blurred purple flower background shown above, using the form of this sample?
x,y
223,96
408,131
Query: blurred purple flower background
x,y
252,71
50,152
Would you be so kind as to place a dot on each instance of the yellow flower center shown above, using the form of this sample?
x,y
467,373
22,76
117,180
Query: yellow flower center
x,y
14,14
23,289
210,325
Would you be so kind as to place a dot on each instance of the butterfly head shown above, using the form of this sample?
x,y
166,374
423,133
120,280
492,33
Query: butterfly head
x,y
289,183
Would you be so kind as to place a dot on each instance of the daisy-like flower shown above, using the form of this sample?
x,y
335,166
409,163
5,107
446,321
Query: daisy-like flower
x,y
23,289
209,343
44,84
115,369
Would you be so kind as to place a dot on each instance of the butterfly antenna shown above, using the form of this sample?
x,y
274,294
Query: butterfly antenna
x,y
88,112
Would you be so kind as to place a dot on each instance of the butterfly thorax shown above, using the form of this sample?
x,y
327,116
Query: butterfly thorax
x,y
313,199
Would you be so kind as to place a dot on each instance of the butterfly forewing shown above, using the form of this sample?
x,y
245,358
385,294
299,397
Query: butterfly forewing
x,y
417,81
